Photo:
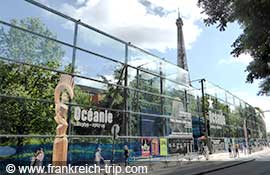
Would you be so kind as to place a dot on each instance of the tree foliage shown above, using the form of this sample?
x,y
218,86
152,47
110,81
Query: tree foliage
x,y
21,115
235,115
254,18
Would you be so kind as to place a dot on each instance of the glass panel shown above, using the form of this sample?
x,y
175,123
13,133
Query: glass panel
x,y
98,68
150,104
237,103
143,102
22,10
134,125
101,44
175,73
27,81
180,121
139,59
143,81
173,106
197,125
21,150
102,95
83,149
98,107
216,131
23,117
174,90
230,99
142,60
178,145
220,94
94,121
22,46
152,125
210,89
181,125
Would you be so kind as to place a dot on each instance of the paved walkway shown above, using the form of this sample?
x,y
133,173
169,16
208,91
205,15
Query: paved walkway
x,y
226,157
159,166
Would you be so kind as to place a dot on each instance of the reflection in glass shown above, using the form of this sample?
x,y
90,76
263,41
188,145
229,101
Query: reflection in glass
x,y
98,68
101,44
25,47
26,117
89,92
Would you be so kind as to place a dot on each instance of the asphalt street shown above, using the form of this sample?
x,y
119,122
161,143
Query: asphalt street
x,y
258,164
261,166
250,168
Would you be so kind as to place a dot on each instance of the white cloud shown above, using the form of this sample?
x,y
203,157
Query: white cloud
x,y
244,59
132,21
80,2
96,84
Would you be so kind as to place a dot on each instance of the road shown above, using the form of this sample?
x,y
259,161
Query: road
x,y
251,168
261,166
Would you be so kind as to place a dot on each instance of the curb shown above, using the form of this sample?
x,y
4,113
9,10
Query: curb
x,y
222,167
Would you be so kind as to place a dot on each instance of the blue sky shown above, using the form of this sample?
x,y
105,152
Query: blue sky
x,y
150,24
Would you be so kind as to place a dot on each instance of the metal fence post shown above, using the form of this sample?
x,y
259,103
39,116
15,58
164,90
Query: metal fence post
x,y
162,99
72,71
203,107
126,115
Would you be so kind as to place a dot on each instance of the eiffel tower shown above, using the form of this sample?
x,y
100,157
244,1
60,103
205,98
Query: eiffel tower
x,y
181,51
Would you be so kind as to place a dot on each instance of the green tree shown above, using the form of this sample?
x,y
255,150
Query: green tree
x,y
114,96
111,98
254,18
146,103
21,116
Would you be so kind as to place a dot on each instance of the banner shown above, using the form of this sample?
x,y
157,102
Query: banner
x,y
178,145
218,144
180,121
163,147
154,147
145,145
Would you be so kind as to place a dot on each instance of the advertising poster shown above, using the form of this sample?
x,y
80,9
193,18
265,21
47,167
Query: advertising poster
x,y
179,145
163,147
145,146
218,145
154,147
89,121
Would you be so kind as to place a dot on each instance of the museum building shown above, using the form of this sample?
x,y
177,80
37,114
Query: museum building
x,y
159,110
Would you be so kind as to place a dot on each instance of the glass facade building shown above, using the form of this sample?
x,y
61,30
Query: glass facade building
x,y
115,83
232,120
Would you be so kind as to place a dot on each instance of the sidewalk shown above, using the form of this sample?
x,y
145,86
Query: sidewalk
x,y
225,156
197,166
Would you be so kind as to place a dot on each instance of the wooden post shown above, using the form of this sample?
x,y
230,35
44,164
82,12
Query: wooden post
x,y
63,92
